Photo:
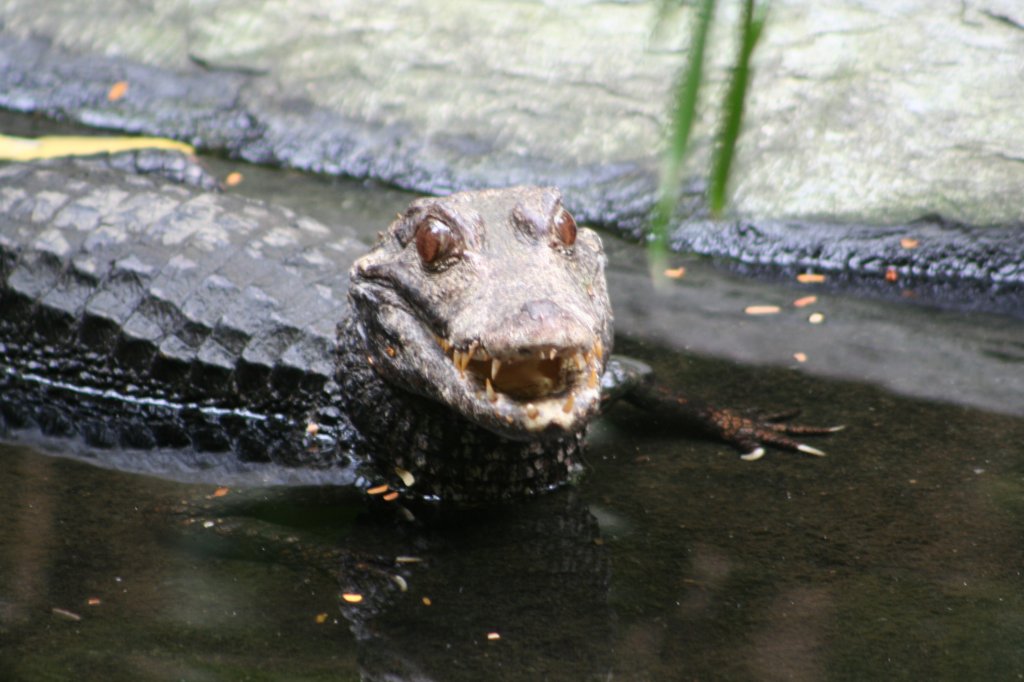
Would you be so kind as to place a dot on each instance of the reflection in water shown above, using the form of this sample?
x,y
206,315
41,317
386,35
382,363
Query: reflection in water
x,y
31,539
791,644
897,555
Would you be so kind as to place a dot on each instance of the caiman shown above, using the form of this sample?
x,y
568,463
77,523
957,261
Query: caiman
x,y
461,357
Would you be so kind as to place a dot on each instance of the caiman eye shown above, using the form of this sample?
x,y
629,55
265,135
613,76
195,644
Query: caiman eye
x,y
565,228
436,242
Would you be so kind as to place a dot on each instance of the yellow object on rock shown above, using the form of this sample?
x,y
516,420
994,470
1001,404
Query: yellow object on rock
x,y
51,146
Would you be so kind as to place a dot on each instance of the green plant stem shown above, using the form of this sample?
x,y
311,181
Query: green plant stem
x,y
682,123
732,107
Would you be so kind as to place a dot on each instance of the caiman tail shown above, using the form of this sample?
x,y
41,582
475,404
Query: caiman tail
x,y
200,320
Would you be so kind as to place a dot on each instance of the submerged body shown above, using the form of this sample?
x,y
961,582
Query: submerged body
x,y
462,356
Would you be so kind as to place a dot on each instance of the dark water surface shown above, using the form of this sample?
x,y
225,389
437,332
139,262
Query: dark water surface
x,y
898,556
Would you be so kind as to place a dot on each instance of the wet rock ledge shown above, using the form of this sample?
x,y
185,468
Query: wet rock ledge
x,y
868,122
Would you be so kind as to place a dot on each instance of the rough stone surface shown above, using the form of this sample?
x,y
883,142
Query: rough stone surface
x,y
932,260
870,112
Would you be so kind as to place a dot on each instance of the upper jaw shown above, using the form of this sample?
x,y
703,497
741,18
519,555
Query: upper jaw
x,y
543,389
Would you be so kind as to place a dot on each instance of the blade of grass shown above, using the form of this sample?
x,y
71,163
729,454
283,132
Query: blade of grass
x,y
751,26
682,123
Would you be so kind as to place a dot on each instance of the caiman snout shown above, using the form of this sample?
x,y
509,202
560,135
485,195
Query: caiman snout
x,y
538,351
538,325
540,311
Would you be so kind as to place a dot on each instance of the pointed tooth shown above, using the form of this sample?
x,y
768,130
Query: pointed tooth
x,y
592,379
491,395
472,351
531,411
495,366
580,362
570,401
599,350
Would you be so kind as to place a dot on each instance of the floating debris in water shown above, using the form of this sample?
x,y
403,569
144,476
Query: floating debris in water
x,y
810,278
64,613
407,478
762,310
805,301
675,273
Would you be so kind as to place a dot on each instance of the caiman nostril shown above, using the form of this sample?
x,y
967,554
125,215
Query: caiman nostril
x,y
539,311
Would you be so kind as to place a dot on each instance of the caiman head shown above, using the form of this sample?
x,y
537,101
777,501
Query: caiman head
x,y
492,303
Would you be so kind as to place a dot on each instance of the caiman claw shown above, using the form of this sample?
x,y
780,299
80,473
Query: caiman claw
x,y
750,435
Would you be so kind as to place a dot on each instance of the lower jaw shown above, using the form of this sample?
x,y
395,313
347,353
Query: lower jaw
x,y
539,419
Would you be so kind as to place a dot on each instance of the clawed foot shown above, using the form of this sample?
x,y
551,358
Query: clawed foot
x,y
750,435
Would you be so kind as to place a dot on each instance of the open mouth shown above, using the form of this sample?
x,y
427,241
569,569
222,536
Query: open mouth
x,y
538,386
